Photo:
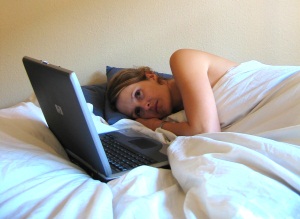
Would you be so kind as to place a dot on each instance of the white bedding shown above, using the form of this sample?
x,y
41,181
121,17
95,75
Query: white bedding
x,y
254,174
37,180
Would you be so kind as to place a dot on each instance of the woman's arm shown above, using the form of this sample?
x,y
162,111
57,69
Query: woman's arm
x,y
195,73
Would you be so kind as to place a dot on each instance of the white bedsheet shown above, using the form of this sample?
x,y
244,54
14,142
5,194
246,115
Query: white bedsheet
x,y
254,174
37,180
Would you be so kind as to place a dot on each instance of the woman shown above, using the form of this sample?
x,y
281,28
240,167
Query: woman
x,y
148,98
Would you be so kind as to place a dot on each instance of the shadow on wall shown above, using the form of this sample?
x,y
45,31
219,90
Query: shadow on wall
x,y
97,78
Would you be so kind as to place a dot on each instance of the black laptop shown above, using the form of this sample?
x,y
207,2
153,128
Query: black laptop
x,y
104,156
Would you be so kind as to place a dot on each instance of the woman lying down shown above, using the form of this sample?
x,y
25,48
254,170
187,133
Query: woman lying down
x,y
196,87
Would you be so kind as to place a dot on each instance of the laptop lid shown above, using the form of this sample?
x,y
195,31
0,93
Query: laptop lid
x,y
64,107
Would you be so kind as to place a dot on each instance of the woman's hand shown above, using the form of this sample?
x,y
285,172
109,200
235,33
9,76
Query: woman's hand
x,y
152,124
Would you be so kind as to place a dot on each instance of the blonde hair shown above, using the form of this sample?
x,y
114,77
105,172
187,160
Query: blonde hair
x,y
124,78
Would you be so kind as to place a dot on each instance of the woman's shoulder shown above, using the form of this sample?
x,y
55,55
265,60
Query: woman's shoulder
x,y
187,62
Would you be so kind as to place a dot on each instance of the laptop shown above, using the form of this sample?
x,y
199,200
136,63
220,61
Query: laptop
x,y
104,156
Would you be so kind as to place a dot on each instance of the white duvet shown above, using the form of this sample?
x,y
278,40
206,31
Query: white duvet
x,y
251,170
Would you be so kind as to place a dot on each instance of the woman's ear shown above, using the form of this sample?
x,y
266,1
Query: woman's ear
x,y
151,75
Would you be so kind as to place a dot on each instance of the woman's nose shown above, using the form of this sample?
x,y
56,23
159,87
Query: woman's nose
x,y
147,105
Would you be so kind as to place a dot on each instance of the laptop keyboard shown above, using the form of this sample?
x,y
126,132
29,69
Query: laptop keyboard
x,y
119,157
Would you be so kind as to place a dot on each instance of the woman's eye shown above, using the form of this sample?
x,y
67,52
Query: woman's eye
x,y
138,94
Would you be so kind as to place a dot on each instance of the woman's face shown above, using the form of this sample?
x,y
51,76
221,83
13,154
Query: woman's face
x,y
145,99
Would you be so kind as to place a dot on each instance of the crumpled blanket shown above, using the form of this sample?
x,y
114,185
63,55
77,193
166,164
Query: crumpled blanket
x,y
251,170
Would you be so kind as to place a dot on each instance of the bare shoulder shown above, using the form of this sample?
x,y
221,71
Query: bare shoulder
x,y
189,53
189,60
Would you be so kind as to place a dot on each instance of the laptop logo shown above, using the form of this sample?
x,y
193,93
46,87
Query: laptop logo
x,y
59,109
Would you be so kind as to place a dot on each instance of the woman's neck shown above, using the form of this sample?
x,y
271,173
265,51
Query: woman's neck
x,y
176,99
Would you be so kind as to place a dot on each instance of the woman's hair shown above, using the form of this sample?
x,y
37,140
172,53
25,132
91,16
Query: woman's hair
x,y
123,79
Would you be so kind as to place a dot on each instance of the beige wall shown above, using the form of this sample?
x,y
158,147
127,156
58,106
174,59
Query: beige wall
x,y
85,36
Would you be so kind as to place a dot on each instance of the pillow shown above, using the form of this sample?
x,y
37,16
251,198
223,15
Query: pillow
x,y
95,95
111,71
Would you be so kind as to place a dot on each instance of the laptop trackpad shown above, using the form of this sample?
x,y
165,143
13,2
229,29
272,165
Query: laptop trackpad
x,y
143,143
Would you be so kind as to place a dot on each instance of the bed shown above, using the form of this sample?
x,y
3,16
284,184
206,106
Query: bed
x,y
249,170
